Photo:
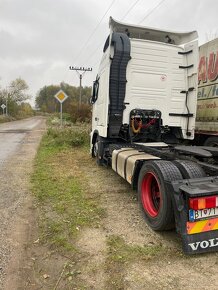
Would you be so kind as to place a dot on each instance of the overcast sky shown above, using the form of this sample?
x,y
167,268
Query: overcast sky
x,y
40,39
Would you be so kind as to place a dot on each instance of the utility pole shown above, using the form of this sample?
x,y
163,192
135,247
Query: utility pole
x,y
84,70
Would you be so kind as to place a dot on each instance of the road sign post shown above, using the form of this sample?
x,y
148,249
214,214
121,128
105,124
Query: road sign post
x,y
61,115
3,108
61,97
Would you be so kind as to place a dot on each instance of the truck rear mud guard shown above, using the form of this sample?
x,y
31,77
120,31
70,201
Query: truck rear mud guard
x,y
195,202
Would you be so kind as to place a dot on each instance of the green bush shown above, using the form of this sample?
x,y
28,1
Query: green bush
x,y
4,118
66,117
76,136
73,114
82,114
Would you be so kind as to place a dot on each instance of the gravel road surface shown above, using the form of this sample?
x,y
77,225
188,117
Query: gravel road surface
x,y
18,142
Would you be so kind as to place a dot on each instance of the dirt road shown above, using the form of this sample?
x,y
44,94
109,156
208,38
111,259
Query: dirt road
x,y
18,142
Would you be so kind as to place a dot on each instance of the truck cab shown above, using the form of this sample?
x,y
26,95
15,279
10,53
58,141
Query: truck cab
x,y
145,89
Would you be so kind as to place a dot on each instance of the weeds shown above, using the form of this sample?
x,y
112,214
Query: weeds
x,y
119,254
67,205
119,251
70,137
61,189
4,118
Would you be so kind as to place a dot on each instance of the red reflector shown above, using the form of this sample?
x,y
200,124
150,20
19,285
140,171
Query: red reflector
x,y
202,202
210,202
193,203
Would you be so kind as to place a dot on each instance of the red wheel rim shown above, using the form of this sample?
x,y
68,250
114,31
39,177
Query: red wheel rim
x,y
150,194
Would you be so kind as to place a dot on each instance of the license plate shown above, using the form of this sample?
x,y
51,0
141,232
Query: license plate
x,y
202,213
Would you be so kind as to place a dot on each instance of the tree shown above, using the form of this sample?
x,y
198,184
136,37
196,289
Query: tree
x,y
14,95
18,90
45,100
47,103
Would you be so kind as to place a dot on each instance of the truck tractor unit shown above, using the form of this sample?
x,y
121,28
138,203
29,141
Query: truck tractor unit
x,y
144,108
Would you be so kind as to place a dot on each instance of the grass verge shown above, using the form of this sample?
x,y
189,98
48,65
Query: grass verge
x,y
65,203
69,203
120,254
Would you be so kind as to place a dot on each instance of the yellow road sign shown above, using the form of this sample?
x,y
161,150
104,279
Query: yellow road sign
x,y
61,96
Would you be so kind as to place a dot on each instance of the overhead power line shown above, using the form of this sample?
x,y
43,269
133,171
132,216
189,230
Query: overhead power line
x,y
152,10
134,4
131,7
101,44
94,52
94,30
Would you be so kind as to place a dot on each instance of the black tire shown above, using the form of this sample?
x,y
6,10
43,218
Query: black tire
x,y
98,150
99,153
158,213
94,149
189,169
211,142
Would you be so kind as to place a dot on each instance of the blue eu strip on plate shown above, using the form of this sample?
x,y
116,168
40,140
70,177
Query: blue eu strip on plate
x,y
191,215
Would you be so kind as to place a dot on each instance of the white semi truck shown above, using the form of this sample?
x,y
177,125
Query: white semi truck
x,y
144,105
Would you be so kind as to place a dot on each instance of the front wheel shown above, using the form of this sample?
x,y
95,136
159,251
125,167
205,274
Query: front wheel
x,y
95,149
98,150
154,199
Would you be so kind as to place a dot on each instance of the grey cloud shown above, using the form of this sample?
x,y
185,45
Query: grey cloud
x,y
39,39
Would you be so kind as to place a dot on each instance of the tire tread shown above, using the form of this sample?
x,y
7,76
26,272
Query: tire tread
x,y
190,169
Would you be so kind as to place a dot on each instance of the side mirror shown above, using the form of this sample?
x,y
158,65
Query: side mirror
x,y
95,88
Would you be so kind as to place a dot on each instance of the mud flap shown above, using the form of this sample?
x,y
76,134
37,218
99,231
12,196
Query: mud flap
x,y
205,238
200,243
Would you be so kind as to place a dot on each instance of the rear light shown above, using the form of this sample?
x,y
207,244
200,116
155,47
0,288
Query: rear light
x,y
203,202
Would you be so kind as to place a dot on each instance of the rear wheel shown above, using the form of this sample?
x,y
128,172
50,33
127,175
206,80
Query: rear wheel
x,y
189,169
154,199
211,142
